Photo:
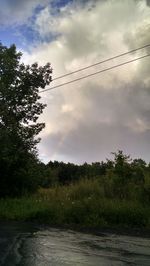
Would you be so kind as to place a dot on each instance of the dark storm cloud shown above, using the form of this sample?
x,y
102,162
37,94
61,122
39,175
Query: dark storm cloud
x,y
148,2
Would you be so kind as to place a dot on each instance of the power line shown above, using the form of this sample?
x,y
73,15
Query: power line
x,y
95,73
101,62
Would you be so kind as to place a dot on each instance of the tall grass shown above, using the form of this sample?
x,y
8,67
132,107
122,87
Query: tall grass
x,y
84,204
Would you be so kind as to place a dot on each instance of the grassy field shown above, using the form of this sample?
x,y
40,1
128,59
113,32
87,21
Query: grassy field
x,y
83,204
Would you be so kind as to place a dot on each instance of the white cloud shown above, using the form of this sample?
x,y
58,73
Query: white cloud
x,y
97,115
18,11
67,108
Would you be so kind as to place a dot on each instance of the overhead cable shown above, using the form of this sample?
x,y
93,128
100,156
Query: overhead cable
x,y
95,73
103,61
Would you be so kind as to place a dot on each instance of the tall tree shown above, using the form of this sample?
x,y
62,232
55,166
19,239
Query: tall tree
x,y
19,112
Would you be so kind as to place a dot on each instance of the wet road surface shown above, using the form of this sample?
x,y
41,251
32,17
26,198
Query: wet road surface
x,y
36,246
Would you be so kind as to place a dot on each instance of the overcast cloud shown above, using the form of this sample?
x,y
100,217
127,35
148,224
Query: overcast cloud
x,y
87,120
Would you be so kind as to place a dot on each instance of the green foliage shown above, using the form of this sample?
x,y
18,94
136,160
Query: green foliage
x,y
70,173
19,111
79,205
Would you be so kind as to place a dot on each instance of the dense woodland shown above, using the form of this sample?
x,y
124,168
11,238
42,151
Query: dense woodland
x,y
111,194
120,177
19,111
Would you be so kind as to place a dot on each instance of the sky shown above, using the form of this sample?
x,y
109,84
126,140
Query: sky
x,y
88,119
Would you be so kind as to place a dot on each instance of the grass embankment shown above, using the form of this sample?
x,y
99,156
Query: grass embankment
x,y
83,204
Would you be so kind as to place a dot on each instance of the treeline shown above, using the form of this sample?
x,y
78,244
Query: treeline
x,y
112,194
66,173
122,176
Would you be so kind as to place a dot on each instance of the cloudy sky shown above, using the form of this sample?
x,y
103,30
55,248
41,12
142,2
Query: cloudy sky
x,y
88,119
